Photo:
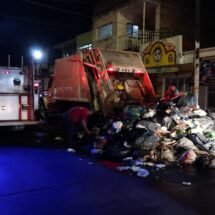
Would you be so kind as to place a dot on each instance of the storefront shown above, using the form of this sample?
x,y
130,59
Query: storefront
x,y
165,64
207,81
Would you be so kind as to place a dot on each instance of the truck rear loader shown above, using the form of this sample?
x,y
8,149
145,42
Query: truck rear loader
x,y
88,77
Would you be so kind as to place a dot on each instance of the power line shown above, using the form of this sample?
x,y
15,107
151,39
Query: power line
x,y
37,22
55,8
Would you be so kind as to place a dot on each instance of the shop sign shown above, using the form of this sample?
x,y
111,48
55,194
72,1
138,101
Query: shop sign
x,y
160,53
207,70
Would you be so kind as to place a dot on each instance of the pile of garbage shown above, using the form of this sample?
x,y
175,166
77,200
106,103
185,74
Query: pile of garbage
x,y
167,133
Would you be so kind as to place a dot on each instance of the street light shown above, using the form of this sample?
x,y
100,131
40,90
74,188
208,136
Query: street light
x,y
37,54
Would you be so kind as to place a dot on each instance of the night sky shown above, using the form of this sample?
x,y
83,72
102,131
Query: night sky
x,y
45,23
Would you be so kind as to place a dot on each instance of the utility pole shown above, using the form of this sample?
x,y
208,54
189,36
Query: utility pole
x,y
197,47
144,21
157,20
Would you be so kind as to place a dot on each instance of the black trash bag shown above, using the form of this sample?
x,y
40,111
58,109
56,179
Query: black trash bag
x,y
199,140
140,140
133,112
133,134
116,150
149,142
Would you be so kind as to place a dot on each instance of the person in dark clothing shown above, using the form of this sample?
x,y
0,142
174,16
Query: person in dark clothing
x,y
75,119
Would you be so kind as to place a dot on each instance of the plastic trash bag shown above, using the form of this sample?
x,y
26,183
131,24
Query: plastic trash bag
x,y
133,112
149,142
151,126
117,126
187,100
199,140
188,157
143,173
205,122
116,150
199,113
185,143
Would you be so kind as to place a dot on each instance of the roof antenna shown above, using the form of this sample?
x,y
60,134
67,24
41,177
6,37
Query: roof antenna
x,y
22,62
8,60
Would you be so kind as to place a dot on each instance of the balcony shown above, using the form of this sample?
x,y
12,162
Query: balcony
x,y
133,43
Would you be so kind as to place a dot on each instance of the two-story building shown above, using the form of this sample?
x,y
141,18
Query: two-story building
x,y
162,31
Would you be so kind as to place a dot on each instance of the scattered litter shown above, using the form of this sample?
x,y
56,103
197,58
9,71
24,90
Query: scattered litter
x,y
188,157
143,173
159,165
71,150
186,183
95,151
168,133
127,159
117,126
139,162
58,138
123,168
149,163
136,168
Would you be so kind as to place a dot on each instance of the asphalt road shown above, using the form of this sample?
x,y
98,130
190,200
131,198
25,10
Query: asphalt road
x,y
40,177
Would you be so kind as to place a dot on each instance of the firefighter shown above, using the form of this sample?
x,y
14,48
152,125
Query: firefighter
x,y
75,120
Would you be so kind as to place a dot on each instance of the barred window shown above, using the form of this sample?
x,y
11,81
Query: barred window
x,y
132,30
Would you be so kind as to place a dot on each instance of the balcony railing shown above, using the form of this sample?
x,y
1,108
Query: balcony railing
x,y
134,43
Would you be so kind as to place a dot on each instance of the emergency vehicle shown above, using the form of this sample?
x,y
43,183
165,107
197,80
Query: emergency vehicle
x,y
19,97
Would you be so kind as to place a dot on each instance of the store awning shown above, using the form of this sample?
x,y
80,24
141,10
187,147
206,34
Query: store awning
x,y
169,69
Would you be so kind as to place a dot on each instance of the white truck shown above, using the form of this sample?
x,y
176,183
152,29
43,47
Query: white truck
x,y
19,97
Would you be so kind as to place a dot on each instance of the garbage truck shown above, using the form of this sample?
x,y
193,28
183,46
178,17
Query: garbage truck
x,y
88,77
19,97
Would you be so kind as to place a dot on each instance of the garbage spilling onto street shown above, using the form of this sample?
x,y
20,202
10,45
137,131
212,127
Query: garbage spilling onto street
x,y
166,134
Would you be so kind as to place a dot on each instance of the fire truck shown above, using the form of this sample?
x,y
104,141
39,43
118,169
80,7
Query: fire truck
x,y
90,75
19,97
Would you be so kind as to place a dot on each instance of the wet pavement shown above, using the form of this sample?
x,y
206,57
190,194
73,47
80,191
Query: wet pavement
x,y
45,179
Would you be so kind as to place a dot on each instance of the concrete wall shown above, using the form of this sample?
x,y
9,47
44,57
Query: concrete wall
x,y
99,21
119,39
84,39
173,18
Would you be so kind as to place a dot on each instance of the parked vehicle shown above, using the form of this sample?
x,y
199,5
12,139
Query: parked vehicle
x,y
19,97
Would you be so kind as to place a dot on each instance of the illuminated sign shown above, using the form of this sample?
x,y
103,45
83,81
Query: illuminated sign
x,y
160,53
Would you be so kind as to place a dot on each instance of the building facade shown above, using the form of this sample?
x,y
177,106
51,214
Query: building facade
x,y
161,32
153,28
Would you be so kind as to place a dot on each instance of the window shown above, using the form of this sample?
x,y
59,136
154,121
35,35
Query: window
x,y
132,30
105,32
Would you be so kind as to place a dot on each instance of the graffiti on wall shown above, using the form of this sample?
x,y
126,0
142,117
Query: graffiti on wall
x,y
160,53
